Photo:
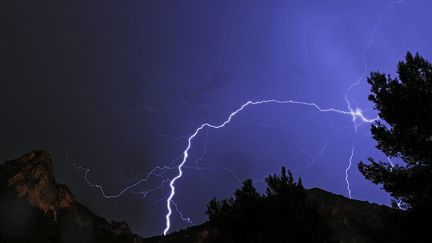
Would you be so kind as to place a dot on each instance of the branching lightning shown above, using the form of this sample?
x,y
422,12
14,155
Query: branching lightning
x,y
188,220
152,172
362,76
355,114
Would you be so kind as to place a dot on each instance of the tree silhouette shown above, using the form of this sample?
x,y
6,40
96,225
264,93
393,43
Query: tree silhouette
x,y
283,214
284,185
405,132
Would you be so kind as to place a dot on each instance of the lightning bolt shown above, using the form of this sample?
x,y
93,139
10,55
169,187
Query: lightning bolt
x,y
100,188
181,214
399,202
362,76
371,41
154,189
356,114
346,172
390,162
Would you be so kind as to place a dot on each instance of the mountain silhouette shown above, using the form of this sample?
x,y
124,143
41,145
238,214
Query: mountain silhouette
x,y
35,208
349,220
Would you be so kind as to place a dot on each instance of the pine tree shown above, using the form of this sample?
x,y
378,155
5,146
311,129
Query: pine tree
x,y
404,131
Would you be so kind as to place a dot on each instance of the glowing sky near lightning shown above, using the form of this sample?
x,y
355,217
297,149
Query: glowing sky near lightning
x,y
118,87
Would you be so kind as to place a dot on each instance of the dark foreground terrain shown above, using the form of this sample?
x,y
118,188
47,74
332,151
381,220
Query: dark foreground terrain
x,y
35,208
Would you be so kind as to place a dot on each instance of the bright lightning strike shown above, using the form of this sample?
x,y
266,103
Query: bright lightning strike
x,y
355,114
347,170
363,74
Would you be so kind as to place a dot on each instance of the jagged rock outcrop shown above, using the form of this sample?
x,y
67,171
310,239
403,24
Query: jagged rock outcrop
x,y
35,208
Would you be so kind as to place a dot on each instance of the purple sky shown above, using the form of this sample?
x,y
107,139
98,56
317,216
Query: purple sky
x,y
115,86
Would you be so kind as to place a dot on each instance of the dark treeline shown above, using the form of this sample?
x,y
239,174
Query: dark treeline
x,y
283,214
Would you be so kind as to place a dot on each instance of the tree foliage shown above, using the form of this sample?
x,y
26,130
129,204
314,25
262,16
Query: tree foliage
x,y
404,131
283,214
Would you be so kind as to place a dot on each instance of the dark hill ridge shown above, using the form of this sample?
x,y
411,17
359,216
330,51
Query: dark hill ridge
x,y
35,208
355,220
352,221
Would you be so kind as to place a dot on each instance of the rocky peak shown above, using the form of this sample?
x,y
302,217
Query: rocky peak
x,y
32,177
28,187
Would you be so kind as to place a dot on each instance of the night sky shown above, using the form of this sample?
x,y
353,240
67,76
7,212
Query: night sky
x,y
118,86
